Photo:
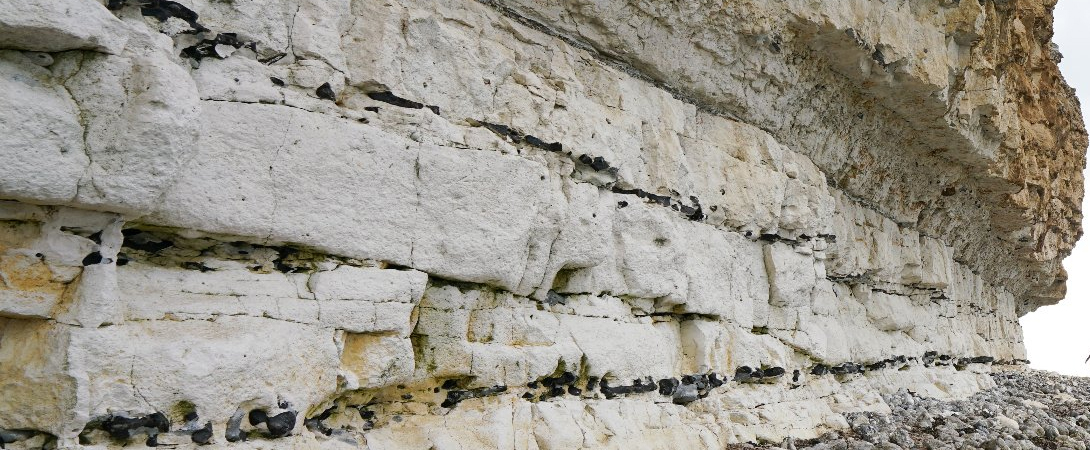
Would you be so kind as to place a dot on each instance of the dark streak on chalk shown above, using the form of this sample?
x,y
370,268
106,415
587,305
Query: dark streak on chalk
x,y
389,97
456,396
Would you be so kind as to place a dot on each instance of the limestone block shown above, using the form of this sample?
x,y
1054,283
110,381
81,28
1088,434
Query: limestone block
x,y
59,25
377,360
317,29
585,237
704,345
142,282
444,357
40,393
41,155
791,275
723,278
650,248
889,312
479,215
624,350
484,423
753,199
137,139
32,287
218,366
236,79
937,259
368,284
553,428
598,306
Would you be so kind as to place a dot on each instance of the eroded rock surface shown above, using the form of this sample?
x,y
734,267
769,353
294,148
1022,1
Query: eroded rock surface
x,y
518,224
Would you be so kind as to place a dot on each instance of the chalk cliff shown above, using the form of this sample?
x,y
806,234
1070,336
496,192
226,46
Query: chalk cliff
x,y
518,224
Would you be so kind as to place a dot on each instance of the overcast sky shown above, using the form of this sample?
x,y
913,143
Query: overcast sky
x,y
1058,337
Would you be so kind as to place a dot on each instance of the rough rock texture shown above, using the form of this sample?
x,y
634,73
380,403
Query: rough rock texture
x,y
518,224
1026,410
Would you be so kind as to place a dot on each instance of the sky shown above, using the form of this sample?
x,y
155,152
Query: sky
x,y
1058,337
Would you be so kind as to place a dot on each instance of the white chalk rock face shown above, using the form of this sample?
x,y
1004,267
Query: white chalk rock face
x,y
515,224
42,155
136,139
59,25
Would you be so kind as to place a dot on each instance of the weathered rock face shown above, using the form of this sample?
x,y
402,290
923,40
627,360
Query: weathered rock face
x,y
518,224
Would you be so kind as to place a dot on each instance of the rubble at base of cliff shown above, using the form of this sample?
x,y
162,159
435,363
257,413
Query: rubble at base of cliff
x,y
1028,409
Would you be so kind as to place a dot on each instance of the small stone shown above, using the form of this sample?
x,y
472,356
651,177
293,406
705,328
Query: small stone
x,y
686,393
326,92
203,436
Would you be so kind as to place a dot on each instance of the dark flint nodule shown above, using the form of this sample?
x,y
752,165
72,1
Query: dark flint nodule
x,y
92,259
389,97
457,396
202,436
234,431
622,204
795,376
151,441
597,163
667,386
591,383
325,91
572,390
139,240
685,394
316,423
743,373
504,131
258,416
120,427
165,9
272,59
276,81
281,424
714,379
549,147
775,372
819,370
207,48
193,265
552,298
844,369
